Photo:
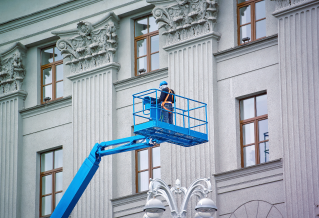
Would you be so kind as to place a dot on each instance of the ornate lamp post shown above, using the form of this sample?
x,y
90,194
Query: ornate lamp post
x,y
157,187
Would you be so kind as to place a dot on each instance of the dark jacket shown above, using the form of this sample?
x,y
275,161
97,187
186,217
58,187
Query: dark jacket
x,y
163,96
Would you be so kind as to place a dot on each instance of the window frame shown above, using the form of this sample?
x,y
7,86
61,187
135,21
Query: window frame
x,y
253,21
52,172
146,36
254,120
150,164
53,67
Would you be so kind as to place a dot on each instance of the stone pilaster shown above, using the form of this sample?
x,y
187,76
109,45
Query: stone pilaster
x,y
188,29
299,66
12,98
89,53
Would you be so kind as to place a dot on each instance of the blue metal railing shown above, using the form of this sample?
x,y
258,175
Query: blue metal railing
x,y
154,110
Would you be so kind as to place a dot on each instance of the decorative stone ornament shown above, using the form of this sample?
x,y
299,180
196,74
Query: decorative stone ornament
x,y
90,45
186,19
12,69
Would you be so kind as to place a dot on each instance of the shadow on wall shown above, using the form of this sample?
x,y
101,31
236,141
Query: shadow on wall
x,y
256,208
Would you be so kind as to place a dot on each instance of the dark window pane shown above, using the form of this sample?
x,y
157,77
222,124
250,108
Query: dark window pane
x,y
46,184
241,1
264,152
46,161
157,173
59,72
47,76
156,156
46,205
141,47
152,24
142,64
244,14
261,29
263,130
261,105
248,133
47,91
47,56
155,61
260,10
58,198
59,181
245,31
143,181
57,54
249,156
58,158
154,43
59,89
247,108
142,157
141,27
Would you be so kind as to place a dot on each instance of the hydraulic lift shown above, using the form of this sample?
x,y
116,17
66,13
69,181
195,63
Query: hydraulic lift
x,y
187,130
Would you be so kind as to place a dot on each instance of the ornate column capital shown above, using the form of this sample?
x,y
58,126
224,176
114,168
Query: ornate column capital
x,y
12,69
186,19
89,45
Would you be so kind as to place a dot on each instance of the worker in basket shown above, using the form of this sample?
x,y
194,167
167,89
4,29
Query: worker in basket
x,y
166,100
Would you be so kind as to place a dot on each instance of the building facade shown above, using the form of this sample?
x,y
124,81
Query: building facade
x,y
68,71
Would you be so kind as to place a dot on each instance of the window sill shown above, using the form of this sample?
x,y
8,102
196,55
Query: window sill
x,y
246,48
251,176
141,79
62,102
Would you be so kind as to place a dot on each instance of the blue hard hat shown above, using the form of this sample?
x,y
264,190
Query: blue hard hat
x,y
163,83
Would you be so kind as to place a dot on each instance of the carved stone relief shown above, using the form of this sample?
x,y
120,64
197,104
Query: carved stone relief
x,y
90,47
12,69
186,19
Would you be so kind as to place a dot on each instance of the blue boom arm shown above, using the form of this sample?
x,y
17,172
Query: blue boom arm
x,y
90,166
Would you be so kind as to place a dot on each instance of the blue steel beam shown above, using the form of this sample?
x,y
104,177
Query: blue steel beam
x,y
90,166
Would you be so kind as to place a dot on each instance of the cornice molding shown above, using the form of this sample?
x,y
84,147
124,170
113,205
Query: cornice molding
x,y
47,107
70,22
246,48
104,68
293,8
141,79
16,94
212,35
44,14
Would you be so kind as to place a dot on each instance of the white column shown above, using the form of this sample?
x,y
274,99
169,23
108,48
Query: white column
x,y
93,121
191,68
10,156
299,77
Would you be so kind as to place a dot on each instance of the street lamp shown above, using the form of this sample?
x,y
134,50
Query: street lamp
x,y
157,187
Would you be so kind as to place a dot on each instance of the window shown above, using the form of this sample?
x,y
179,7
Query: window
x,y
146,42
251,20
148,165
254,130
51,73
51,178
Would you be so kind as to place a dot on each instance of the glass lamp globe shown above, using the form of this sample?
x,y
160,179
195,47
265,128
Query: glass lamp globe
x,y
154,208
206,208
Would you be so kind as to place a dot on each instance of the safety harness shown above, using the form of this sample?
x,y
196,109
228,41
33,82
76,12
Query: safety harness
x,y
164,102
